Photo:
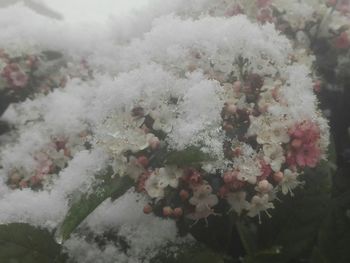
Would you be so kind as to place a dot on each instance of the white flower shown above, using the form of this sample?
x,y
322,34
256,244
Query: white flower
x,y
131,168
267,97
154,187
169,176
259,204
274,155
203,199
121,133
269,129
160,179
204,214
249,169
163,119
289,182
238,201
264,187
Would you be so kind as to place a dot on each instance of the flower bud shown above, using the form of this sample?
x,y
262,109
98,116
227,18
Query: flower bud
x,y
184,195
296,143
278,176
231,109
154,143
178,212
143,160
236,86
147,209
167,211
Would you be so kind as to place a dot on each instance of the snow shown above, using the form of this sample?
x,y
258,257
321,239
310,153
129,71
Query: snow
x,y
138,60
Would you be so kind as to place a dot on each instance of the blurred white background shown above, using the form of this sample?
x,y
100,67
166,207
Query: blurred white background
x,y
93,10
79,10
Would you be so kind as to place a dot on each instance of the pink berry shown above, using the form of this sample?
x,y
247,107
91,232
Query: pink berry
x,y
178,212
167,211
296,143
236,86
231,109
143,160
154,143
278,176
228,177
23,184
147,209
264,186
184,195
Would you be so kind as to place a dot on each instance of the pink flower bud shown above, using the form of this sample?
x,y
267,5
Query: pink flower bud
x,y
236,86
154,143
231,109
143,160
147,209
167,211
278,176
178,212
296,143
184,195
264,186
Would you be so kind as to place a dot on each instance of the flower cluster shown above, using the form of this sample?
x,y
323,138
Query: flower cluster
x,y
48,162
24,74
208,114
265,149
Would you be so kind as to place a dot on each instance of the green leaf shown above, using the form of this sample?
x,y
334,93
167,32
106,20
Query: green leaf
x,y
23,243
109,186
189,156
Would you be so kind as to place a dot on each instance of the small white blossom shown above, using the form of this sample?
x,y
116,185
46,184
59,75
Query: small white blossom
x,y
264,187
260,204
249,169
238,201
169,176
289,182
154,187
203,198
269,130
163,118
120,133
274,155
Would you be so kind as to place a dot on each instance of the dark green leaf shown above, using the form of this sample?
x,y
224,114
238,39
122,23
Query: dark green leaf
x,y
23,243
109,186
189,156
